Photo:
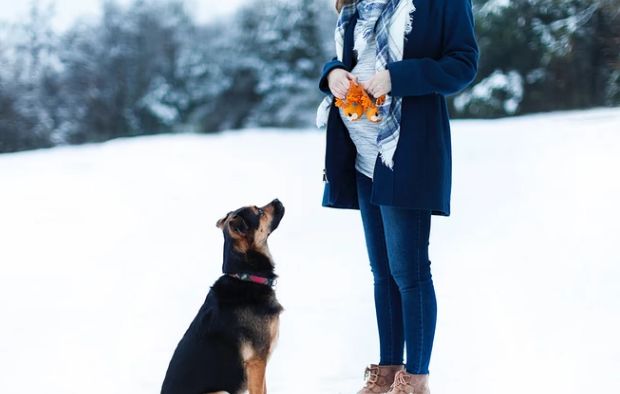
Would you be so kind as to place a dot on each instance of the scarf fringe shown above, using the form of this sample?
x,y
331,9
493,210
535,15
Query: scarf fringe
x,y
409,22
322,113
387,158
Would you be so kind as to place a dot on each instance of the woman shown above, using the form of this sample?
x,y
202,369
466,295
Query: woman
x,y
397,172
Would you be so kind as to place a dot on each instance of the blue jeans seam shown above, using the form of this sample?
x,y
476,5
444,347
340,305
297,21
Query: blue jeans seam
x,y
421,331
391,342
391,316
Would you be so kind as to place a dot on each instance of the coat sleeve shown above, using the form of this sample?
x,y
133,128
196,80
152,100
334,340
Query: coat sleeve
x,y
454,70
327,68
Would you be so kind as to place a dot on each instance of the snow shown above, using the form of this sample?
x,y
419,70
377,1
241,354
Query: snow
x,y
109,250
508,86
494,6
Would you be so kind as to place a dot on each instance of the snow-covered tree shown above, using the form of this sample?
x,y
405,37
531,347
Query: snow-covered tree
x,y
124,76
148,67
28,99
287,39
564,51
264,64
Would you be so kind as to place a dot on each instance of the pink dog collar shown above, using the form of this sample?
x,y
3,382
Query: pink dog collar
x,y
255,279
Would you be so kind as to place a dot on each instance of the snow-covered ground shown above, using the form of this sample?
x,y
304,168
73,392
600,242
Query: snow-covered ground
x,y
107,252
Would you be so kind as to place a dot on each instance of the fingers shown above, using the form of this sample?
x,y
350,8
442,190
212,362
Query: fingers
x,y
380,92
340,86
379,84
371,85
340,82
377,91
341,94
376,87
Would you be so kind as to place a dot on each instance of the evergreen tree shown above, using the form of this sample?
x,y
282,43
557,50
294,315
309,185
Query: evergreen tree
x,y
266,64
544,55
289,46
149,68
28,105
123,77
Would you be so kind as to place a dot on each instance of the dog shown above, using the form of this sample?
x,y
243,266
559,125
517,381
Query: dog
x,y
227,346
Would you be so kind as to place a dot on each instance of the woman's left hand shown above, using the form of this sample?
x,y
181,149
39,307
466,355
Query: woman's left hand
x,y
379,84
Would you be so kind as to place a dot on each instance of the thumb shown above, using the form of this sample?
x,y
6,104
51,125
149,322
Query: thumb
x,y
352,77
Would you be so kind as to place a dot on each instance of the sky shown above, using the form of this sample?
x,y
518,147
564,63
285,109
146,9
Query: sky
x,y
67,11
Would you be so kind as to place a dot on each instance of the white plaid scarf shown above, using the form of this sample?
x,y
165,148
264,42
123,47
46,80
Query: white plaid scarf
x,y
393,24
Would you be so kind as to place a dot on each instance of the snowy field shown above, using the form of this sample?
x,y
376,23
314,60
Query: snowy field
x,y
107,252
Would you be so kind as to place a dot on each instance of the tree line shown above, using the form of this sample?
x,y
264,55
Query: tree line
x,y
544,55
150,68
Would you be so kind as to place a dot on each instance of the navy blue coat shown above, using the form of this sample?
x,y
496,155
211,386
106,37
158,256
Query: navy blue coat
x,y
440,59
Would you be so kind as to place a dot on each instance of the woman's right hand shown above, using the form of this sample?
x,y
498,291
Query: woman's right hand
x,y
339,81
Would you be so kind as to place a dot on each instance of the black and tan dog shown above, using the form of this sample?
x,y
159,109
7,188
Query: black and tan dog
x,y
226,348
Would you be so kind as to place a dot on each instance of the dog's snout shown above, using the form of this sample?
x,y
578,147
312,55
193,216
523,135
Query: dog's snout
x,y
278,212
277,205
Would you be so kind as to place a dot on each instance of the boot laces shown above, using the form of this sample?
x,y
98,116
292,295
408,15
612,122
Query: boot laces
x,y
371,375
401,380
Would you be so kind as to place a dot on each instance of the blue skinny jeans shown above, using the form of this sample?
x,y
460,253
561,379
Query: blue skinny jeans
x,y
397,241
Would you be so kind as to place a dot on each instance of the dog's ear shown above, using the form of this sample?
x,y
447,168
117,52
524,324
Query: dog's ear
x,y
238,225
220,223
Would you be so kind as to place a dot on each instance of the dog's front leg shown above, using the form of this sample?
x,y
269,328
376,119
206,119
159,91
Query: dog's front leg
x,y
255,371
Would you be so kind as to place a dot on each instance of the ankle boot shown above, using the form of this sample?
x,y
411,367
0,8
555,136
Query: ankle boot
x,y
406,383
379,378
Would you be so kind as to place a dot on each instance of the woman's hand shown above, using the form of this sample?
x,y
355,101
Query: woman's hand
x,y
379,84
339,81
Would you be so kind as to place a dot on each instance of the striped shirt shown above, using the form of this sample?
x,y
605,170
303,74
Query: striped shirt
x,y
364,132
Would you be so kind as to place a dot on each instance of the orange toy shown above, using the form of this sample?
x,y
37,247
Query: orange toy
x,y
358,102
352,105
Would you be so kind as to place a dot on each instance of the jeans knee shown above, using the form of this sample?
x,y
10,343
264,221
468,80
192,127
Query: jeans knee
x,y
381,276
409,280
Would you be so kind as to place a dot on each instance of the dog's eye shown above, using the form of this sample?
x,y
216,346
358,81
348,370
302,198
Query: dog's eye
x,y
260,212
